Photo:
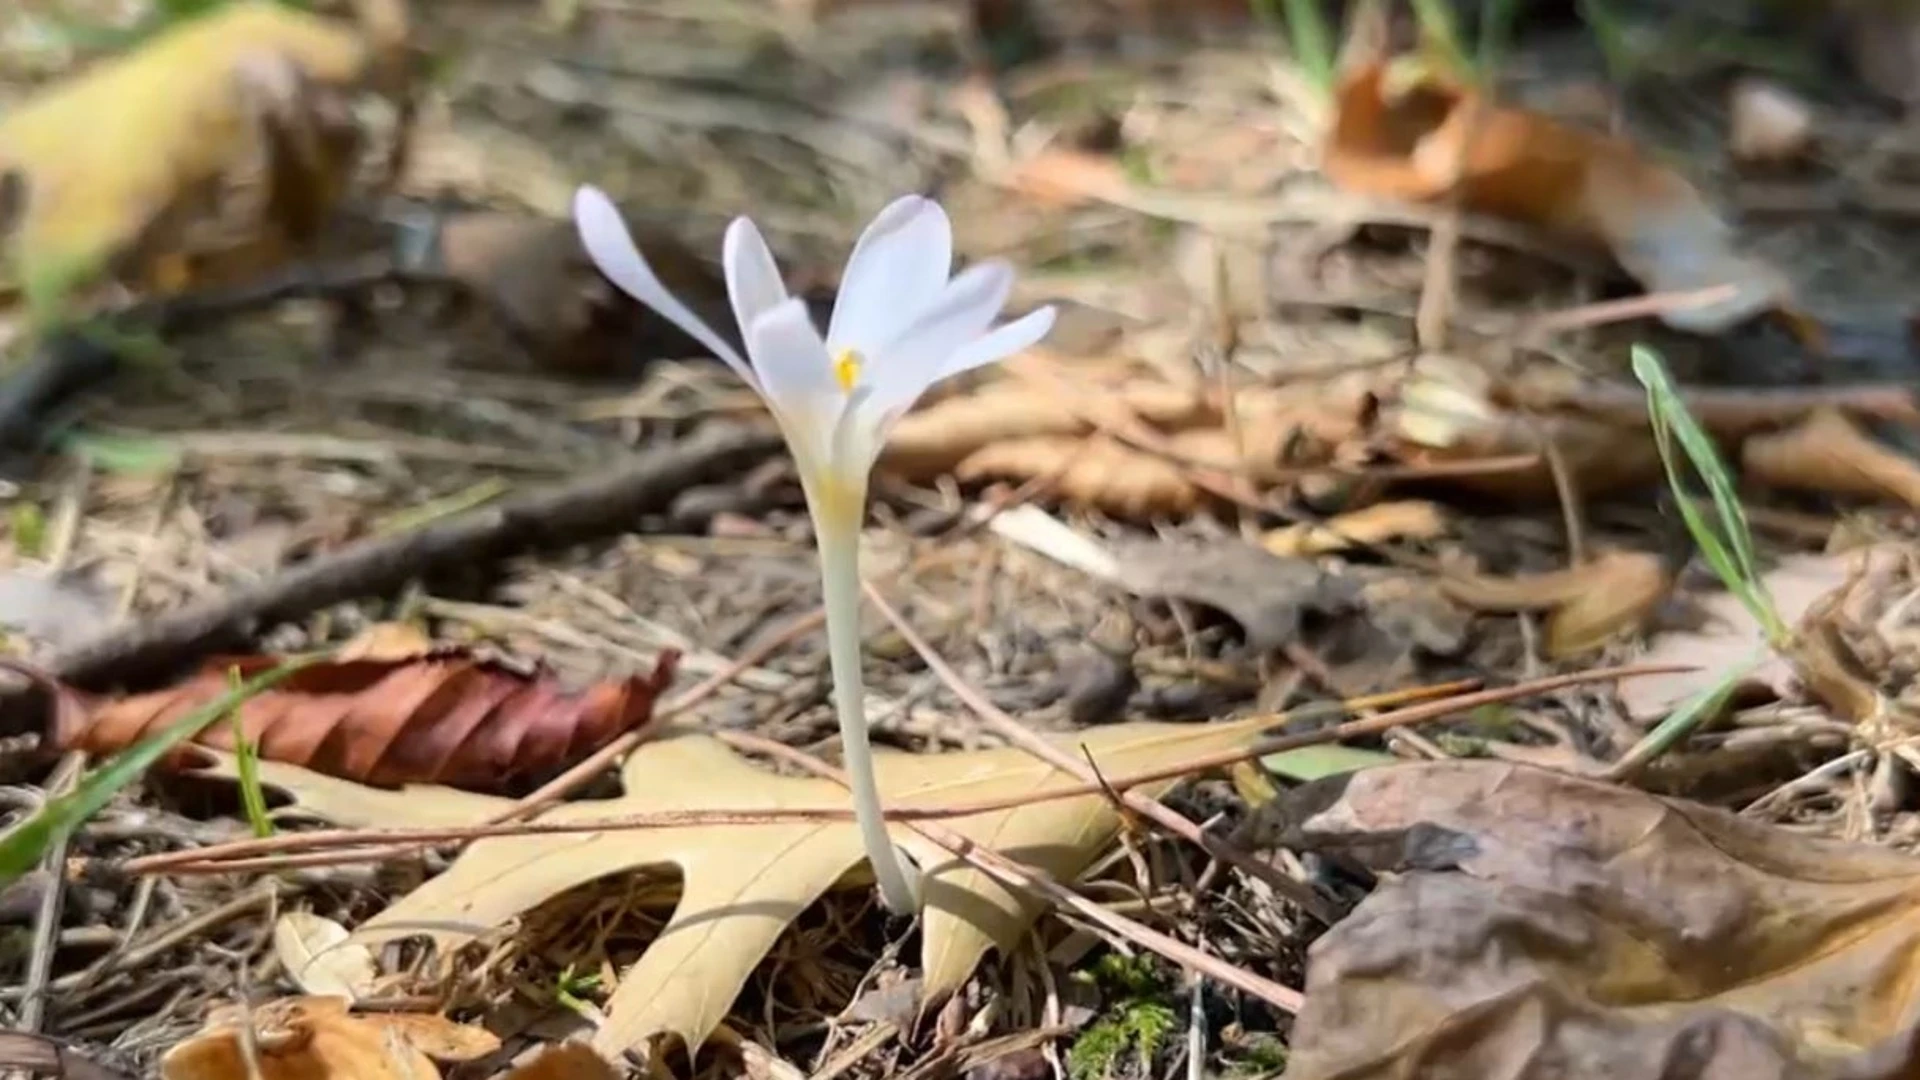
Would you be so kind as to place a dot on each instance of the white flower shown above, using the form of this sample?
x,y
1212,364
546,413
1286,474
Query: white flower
x,y
899,325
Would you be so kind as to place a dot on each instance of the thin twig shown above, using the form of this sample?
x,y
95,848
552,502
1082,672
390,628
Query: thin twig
x,y
209,859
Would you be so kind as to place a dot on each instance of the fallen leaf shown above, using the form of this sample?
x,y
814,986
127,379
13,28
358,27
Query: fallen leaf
x,y
563,1061
1319,762
1061,176
1097,472
939,437
446,716
1590,604
1731,639
318,958
1412,519
742,884
1265,594
316,1038
1435,139
1531,924
176,130
1828,454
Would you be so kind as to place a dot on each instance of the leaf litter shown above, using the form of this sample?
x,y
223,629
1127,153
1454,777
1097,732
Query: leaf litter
x,y
1269,392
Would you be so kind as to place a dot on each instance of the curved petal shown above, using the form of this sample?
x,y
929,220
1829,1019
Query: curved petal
x,y
898,266
918,356
604,234
753,278
1005,340
796,378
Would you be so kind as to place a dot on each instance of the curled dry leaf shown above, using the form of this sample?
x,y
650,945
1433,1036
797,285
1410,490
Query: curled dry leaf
x,y
1410,519
1529,924
742,884
1435,139
1590,604
316,1038
444,716
1829,454
175,134
319,959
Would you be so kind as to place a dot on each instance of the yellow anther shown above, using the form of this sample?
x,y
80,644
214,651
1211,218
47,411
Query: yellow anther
x,y
846,368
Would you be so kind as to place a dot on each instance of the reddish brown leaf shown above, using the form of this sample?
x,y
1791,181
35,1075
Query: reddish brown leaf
x,y
445,716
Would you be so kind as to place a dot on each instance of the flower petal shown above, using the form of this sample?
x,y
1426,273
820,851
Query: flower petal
x,y
1022,333
604,234
796,378
918,356
753,278
898,266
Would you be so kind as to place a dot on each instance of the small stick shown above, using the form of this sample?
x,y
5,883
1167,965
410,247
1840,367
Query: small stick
x,y
206,860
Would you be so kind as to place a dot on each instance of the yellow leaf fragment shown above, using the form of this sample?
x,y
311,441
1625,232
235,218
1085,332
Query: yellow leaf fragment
x,y
1411,519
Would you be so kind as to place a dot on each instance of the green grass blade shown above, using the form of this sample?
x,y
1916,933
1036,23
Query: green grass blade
x,y
23,846
246,759
1727,544
1702,706
1309,40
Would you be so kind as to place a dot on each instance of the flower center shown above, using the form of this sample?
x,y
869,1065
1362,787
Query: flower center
x,y
846,369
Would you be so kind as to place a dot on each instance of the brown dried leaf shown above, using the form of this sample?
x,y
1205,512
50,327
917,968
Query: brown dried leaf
x,y
1829,454
742,884
316,1038
446,716
1411,519
1435,140
1591,604
1530,924
938,438
1093,471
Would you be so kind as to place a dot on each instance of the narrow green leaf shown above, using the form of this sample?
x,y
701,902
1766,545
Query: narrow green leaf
x,y
246,758
23,846
1316,762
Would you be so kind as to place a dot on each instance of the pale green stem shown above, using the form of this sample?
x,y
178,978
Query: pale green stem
x,y
840,587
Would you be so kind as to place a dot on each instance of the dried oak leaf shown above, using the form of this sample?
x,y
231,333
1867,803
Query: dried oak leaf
x,y
742,884
245,106
316,1038
444,716
1533,925
1435,139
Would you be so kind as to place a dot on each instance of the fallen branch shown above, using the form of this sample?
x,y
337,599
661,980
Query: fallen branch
x,y
542,520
